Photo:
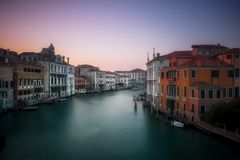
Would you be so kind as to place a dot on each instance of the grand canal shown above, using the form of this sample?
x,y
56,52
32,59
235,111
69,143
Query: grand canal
x,y
104,126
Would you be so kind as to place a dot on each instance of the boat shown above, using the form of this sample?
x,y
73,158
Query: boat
x,y
83,91
29,108
177,124
63,99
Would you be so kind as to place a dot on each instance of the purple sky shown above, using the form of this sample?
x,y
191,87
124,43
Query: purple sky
x,y
117,34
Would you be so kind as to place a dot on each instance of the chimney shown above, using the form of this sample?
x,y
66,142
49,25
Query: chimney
x,y
148,57
68,60
158,54
6,60
153,52
63,58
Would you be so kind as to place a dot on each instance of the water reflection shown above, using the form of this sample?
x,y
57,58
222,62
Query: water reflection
x,y
103,126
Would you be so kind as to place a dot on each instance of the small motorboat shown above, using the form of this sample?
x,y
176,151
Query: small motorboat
x,y
30,108
82,91
177,124
62,99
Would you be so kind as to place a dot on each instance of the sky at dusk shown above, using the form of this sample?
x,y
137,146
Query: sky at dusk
x,y
117,34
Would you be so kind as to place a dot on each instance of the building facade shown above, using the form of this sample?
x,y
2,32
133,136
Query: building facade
x,y
98,80
154,67
6,84
70,80
110,81
82,83
192,83
232,57
29,82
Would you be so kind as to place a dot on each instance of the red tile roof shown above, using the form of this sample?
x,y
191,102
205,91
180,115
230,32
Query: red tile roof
x,y
137,70
173,54
204,61
208,46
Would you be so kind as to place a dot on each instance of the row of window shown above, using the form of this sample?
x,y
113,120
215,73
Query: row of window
x,y
6,84
173,90
26,92
214,73
218,93
58,69
24,69
30,81
202,108
58,81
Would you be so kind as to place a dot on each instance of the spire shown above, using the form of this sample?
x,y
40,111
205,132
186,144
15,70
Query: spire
x,y
148,57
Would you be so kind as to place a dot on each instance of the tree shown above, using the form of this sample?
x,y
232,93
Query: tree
x,y
225,114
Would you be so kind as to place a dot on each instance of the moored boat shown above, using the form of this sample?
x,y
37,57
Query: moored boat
x,y
177,124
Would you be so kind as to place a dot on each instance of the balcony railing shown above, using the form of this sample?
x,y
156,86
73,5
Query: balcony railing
x,y
171,80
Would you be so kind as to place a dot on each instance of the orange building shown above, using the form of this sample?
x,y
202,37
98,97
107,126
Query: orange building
x,y
28,82
232,57
192,83
82,83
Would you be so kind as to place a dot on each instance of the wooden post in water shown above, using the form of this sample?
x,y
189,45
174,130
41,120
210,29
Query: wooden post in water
x,y
157,115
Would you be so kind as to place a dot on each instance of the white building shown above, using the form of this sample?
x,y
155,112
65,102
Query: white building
x,y
110,81
55,73
153,77
70,80
6,85
133,78
98,80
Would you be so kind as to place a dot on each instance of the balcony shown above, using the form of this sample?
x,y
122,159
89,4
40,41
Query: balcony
x,y
171,80
172,97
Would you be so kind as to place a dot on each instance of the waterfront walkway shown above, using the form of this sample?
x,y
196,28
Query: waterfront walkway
x,y
234,136
218,131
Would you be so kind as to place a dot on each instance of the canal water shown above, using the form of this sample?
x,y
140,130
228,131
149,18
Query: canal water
x,y
104,126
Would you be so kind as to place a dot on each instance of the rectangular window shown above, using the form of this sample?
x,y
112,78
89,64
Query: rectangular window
x,y
192,108
185,73
202,94
178,90
230,92
184,107
202,109
162,74
236,92
218,94
215,74
192,92
210,94
224,92
193,74
20,82
236,72
185,91
230,73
